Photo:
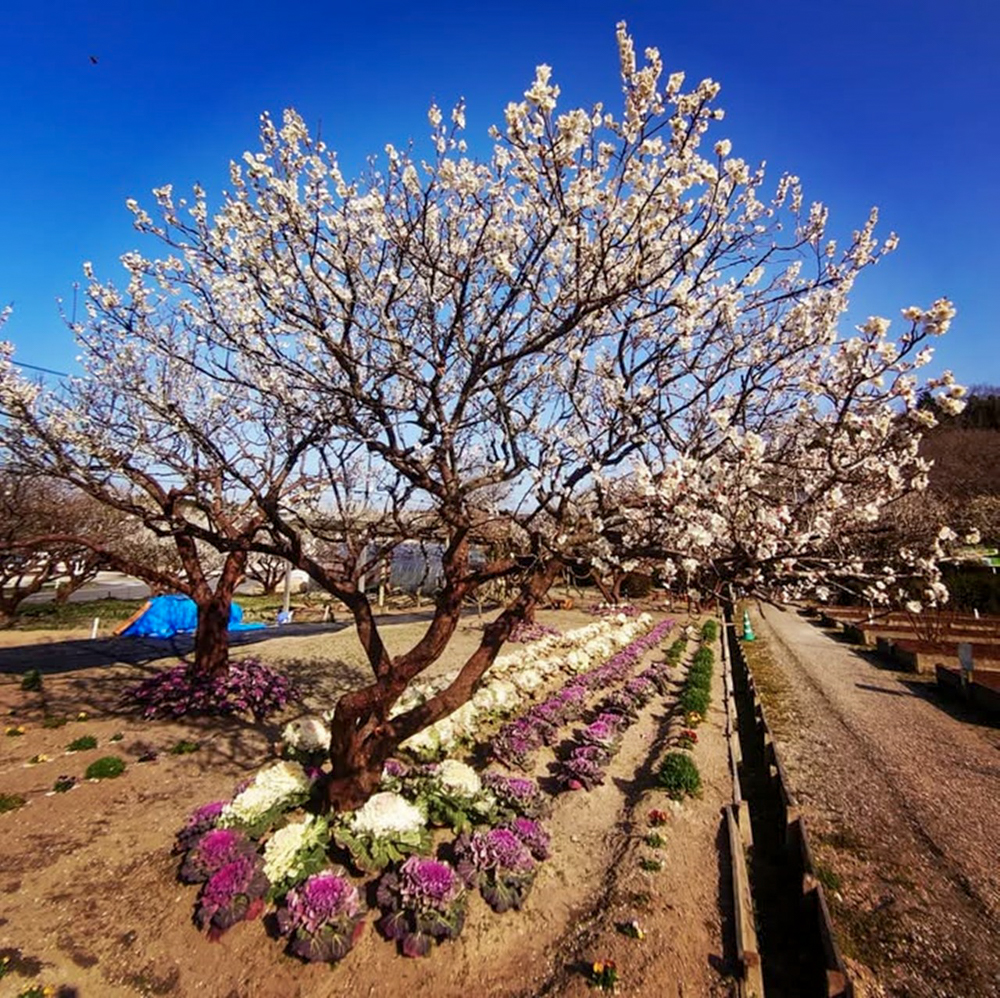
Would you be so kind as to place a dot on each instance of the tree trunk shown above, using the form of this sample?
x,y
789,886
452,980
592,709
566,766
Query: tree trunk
x,y
357,770
211,639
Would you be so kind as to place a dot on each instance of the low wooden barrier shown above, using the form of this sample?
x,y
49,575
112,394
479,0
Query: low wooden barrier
x,y
792,832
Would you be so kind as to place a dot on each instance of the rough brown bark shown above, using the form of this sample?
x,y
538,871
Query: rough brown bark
x,y
211,639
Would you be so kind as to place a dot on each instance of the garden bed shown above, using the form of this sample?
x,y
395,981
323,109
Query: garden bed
x,y
92,900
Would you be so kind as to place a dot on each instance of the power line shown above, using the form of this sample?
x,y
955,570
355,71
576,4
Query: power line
x,y
44,370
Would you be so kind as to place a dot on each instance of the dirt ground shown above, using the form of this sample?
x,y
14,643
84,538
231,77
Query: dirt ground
x,y
91,903
900,789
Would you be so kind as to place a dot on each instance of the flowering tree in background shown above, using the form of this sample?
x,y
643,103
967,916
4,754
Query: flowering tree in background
x,y
606,342
30,507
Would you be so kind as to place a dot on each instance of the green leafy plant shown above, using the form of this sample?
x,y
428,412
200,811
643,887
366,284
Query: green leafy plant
x,y
116,737
105,768
709,631
63,783
82,743
31,681
654,840
184,747
679,776
650,865
11,802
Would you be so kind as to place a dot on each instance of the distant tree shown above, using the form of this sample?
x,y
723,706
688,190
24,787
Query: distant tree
x,y
268,570
31,507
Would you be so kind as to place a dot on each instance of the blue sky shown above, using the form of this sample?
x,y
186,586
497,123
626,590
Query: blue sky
x,y
883,102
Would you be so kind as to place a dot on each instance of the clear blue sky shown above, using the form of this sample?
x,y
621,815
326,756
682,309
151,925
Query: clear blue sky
x,y
887,102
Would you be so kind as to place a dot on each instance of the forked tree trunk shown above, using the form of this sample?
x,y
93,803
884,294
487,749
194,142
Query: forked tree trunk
x,y
362,737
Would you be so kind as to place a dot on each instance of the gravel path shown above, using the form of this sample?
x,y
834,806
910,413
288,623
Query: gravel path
x,y
901,795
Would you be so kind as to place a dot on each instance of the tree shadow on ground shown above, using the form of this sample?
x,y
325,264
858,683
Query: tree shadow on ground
x,y
55,657
954,705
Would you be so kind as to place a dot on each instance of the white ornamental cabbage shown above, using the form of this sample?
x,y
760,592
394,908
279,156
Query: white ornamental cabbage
x,y
387,815
284,781
307,734
283,849
458,776
527,680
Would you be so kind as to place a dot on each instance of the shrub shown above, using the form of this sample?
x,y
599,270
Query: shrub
x,y
695,700
82,743
53,721
679,776
709,631
650,865
105,768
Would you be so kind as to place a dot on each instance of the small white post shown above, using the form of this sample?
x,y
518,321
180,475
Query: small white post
x,y
93,630
326,613
976,612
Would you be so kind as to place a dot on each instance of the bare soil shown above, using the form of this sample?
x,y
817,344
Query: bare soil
x,y
91,903
900,790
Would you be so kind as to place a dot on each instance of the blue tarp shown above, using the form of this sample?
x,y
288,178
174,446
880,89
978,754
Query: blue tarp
x,y
169,615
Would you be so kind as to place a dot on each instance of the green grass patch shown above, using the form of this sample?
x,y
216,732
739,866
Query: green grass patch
x,y
828,877
31,681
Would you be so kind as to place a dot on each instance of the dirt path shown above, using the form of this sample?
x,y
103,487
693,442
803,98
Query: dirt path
x,y
901,795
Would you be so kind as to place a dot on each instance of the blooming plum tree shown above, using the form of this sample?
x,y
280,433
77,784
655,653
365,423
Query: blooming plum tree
x,y
605,342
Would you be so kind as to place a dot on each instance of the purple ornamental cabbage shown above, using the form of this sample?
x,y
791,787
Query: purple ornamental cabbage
x,y
584,769
515,744
210,853
323,916
533,835
517,795
202,820
425,901
500,863
232,894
